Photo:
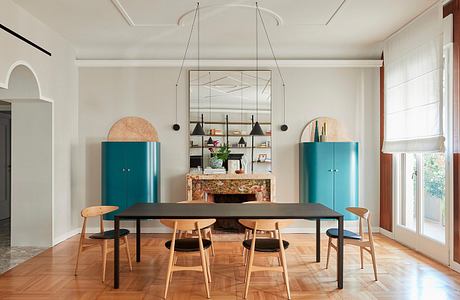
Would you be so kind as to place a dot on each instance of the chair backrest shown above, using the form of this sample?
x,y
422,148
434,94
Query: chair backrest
x,y
94,211
188,224
265,225
363,214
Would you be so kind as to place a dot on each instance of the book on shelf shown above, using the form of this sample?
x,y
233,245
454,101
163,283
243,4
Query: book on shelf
x,y
215,171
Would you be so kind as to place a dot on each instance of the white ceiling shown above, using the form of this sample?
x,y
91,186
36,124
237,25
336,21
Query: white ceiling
x,y
158,29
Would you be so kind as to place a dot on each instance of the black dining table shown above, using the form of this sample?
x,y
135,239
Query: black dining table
x,y
304,211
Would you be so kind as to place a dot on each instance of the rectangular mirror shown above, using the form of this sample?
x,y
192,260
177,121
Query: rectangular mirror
x,y
227,104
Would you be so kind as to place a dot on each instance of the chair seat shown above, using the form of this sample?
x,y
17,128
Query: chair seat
x,y
188,244
109,234
266,245
334,233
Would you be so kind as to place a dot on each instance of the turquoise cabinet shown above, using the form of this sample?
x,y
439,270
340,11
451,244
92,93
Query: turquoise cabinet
x,y
130,173
329,175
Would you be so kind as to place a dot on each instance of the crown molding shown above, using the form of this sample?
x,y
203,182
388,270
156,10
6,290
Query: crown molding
x,y
288,63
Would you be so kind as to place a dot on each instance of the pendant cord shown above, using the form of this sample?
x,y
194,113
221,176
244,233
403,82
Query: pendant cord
x,y
257,62
276,61
241,102
198,38
188,44
210,95
185,56
176,103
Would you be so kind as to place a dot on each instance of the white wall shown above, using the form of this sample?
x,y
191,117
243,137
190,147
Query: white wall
x,y
32,162
58,82
107,94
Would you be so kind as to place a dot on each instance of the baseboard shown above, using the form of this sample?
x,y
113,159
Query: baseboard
x,y
386,233
455,266
65,236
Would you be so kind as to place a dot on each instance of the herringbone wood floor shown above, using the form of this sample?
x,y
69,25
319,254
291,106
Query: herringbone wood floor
x,y
403,274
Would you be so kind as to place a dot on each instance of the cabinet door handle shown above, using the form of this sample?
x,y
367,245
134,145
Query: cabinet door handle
x,y
330,170
129,170
336,170
124,170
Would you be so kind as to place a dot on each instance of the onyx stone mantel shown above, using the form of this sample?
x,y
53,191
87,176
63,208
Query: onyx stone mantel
x,y
261,185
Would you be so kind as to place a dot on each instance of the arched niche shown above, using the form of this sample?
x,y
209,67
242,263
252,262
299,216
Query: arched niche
x,y
31,158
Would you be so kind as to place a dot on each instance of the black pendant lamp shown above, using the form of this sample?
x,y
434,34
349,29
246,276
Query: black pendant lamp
x,y
256,129
198,130
241,142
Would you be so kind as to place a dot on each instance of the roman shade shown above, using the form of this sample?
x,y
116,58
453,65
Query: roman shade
x,y
413,86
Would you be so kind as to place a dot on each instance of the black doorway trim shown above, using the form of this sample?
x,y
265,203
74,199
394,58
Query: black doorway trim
x,y
17,35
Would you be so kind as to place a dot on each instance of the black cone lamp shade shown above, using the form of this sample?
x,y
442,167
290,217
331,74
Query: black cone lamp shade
x,y
210,141
198,130
257,130
242,141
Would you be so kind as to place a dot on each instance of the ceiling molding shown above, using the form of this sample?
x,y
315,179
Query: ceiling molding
x,y
121,9
278,19
291,63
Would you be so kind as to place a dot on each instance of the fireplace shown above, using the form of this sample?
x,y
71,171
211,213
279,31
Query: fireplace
x,y
230,225
230,188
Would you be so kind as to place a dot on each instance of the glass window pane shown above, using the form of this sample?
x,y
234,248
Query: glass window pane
x,y
433,196
409,195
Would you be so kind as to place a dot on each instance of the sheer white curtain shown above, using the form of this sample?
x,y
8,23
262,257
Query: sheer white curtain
x,y
413,86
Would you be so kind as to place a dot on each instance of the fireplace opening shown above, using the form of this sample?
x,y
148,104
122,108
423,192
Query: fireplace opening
x,y
230,225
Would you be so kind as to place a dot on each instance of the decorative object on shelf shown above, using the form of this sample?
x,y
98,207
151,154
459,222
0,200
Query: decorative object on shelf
x,y
262,158
316,132
133,129
323,137
233,165
215,162
335,132
242,143
256,129
218,158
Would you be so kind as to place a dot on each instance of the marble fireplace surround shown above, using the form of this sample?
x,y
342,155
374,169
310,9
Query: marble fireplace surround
x,y
260,185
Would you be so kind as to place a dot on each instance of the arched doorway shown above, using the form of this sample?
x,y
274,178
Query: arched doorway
x,y
31,159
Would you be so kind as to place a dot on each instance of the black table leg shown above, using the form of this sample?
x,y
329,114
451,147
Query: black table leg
x,y
116,254
340,254
138,240
318,240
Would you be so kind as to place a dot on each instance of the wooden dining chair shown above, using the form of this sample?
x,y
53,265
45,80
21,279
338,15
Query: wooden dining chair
x,y
248,231
100,239
351,238
207,232
266,245
184,246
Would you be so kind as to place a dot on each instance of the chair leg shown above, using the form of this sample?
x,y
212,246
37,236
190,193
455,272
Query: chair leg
x,y
169,272
174,263
104,259
205,273
248,275
80,247
374,264
285,272
361,254
128,254
212,241
208,265
328,252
